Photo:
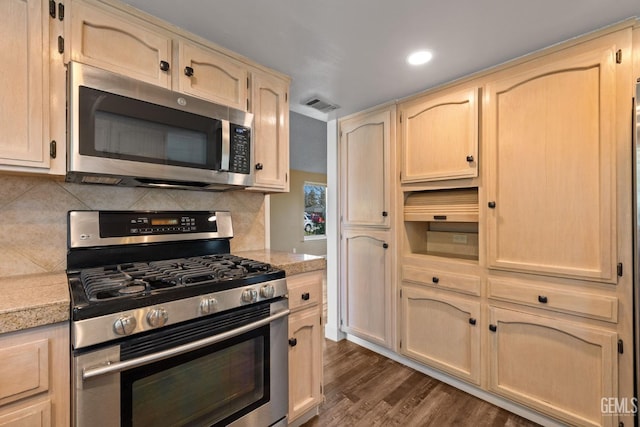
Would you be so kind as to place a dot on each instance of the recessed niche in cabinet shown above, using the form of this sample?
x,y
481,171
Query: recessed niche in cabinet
x,y
442,223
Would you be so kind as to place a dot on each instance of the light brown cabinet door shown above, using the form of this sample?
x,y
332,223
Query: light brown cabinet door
x,y
366,285
550,132
558,367
305,361
36,415
213,76
95,33
270,107
440,136
365,180
24,103
442,330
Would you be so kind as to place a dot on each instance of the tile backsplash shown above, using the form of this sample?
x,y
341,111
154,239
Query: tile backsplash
x,y
33,216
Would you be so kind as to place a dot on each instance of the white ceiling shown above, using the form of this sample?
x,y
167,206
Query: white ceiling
x,y
352,52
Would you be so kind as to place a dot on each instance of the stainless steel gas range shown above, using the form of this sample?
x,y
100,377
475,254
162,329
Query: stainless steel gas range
x,y
168,328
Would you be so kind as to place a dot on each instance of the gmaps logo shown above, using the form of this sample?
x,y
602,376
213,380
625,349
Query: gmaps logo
x,y
619,405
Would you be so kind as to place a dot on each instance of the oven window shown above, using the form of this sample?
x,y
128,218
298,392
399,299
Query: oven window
x,y
211,386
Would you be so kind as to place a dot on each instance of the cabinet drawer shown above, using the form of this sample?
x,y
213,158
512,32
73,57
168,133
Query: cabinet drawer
x,y
579,303
455,282
24,370
304,290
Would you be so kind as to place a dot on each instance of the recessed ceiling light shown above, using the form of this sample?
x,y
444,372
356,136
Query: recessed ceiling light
x,y
419,57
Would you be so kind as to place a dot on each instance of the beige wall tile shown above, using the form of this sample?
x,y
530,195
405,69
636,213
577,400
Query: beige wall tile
x,y
33,230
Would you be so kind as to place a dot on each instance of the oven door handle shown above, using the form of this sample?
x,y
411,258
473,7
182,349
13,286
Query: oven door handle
x,y
109,368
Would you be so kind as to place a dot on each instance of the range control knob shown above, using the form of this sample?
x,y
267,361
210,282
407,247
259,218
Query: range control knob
x,y
249,295
157,317
124,325
267,291
208,305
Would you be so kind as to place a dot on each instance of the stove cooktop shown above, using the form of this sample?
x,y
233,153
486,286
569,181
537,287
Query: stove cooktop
x,y
108,289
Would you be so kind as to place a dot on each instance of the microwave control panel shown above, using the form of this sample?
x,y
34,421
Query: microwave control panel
x,y
240,149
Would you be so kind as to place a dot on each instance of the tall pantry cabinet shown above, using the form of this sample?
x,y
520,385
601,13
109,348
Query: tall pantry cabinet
x,y
557,149
367,241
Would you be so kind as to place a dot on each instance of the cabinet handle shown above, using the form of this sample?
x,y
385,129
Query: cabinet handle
x,y
469,158
259,166
293,342
306,296
493,328
542,299
435,279
164,66
385,213
472,321
492,205
385,245
188,71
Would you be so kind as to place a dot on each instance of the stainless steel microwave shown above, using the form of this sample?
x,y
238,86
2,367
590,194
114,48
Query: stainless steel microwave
x,y
129,133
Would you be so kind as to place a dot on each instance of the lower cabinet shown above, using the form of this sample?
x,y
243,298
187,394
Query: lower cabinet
x,y
553,365
442,330
34,377
366,285
305,343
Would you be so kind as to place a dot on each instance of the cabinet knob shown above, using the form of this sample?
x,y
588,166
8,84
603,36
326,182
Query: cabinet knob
x,y
492,205
188,71
385,213
472,321
164,66
469,158
435,279
542,299
259,166
385,245
293,342
306,296
493,328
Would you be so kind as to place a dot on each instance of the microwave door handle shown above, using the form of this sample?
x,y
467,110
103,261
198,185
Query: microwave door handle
x,y
226,146
88,373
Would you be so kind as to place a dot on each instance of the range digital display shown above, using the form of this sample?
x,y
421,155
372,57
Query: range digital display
x,y
164,221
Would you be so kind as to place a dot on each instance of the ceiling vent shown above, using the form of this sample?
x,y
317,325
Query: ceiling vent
x,y
321,105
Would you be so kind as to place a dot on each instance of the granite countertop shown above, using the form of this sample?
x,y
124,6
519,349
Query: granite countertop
x,y
42,299
33,300
290,263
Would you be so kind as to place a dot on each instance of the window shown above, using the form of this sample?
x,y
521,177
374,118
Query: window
x,y
315,210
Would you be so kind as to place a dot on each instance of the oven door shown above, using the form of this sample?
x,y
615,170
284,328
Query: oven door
x,y
202,373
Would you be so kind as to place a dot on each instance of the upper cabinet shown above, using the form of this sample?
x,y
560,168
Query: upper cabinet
x,y
24,104
125,46
211,75
365,162
270,107
439,136
551,130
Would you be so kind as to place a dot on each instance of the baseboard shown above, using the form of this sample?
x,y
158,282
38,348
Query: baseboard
x,y
454,382
334,334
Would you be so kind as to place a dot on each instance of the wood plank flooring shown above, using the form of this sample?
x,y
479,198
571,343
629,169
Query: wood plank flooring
x,y
363,388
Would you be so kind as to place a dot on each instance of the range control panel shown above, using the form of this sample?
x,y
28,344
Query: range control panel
x,y
122,224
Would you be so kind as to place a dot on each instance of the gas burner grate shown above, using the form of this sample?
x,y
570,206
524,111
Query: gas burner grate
x,y
123,280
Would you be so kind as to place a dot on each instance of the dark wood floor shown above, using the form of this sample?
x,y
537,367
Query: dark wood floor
x,y
363,388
